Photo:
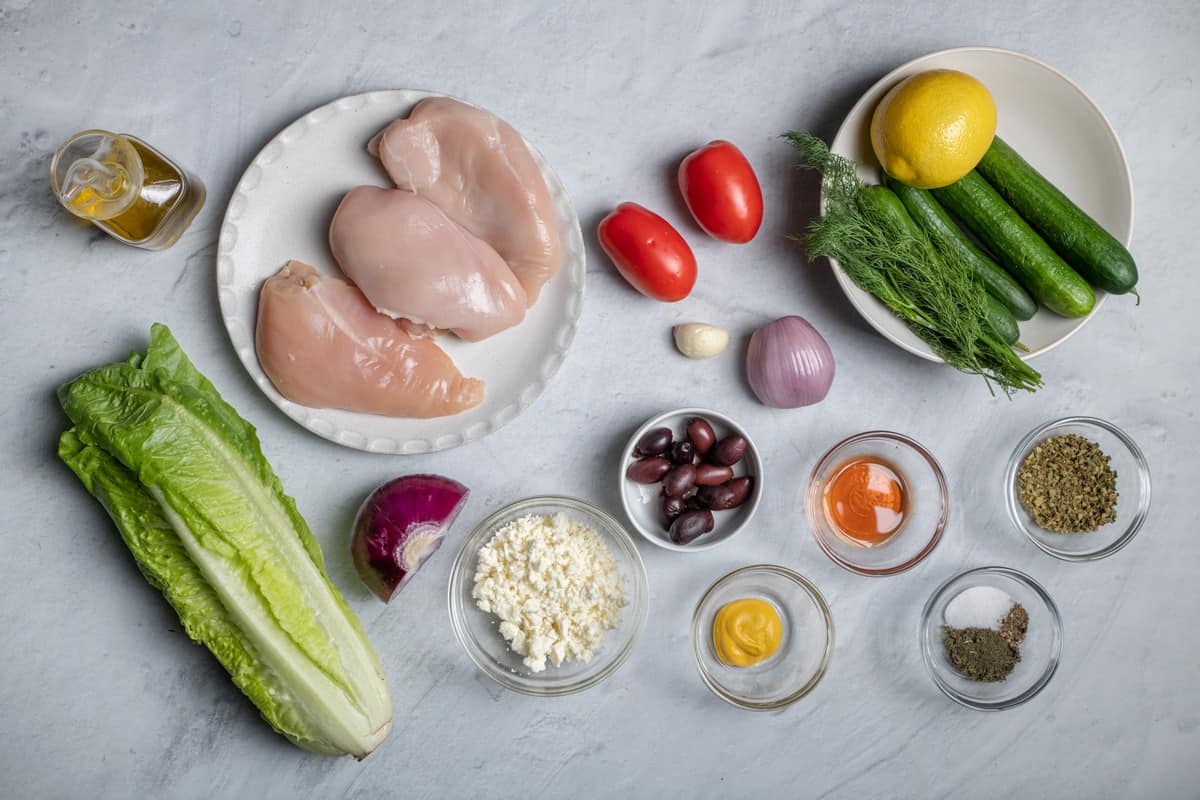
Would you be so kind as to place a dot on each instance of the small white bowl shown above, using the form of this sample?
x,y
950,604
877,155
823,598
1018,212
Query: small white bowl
x,y
641,501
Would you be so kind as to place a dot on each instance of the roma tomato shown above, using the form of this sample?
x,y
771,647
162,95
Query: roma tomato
x,y
722,192
648,252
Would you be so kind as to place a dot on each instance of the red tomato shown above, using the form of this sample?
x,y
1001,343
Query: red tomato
x,y
722,192
648,252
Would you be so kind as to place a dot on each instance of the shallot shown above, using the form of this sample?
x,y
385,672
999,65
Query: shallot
x,y
789,364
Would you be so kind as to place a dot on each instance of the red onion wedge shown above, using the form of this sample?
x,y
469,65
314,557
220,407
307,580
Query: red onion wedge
x,y
400,525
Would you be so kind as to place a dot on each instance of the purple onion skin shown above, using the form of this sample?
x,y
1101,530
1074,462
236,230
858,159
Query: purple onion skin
x,y
789,364
400,525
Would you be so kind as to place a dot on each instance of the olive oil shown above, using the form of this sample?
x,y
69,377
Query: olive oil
x,y
126,188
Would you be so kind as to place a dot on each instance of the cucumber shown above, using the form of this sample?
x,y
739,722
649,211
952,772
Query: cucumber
x,y
1092,251
888,204
1017,246
946,234
1002,320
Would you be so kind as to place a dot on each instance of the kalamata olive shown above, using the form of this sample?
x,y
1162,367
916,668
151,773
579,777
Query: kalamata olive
x,y
741,488
690,503
690,524
672,507
713,496
712,475
648,470
700,434
653,443
728,451
726,496
683,452
677,482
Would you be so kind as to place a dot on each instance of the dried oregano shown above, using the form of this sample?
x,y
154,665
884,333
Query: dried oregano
x,y
1067,485
1015,624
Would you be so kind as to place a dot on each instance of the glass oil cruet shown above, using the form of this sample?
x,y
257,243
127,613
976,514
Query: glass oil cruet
x,y
126,188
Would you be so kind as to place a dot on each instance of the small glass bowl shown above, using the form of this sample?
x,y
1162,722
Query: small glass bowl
x,y
478,632
926,513
804,652
1040,650
1133,491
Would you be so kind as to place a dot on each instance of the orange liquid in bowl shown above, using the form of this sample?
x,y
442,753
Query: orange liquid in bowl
x,y
865,500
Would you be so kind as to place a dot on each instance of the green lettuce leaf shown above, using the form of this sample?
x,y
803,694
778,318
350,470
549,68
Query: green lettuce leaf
x,y
164,562
200,508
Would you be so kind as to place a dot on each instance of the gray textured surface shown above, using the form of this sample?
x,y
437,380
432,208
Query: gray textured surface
x,y
101,695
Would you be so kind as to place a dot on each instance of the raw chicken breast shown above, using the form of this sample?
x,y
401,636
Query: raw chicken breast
x,y
413,261
478,170
324,346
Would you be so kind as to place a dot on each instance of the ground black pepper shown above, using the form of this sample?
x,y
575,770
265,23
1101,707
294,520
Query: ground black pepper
x,y
982,654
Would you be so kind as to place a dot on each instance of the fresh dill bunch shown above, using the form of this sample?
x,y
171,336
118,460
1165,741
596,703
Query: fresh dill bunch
x,y
884,253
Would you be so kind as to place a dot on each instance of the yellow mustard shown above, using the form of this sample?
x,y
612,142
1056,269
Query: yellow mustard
x,y
746,632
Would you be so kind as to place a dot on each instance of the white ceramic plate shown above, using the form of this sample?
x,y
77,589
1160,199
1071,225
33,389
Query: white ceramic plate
x,y
281,210
1052,124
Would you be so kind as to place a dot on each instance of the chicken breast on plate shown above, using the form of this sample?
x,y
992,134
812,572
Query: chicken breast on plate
x,y
324,346
477,168
413,261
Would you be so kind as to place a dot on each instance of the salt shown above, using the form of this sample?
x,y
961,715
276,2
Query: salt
x,y
978,607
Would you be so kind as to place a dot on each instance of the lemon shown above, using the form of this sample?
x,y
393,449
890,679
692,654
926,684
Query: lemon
x,y
932,128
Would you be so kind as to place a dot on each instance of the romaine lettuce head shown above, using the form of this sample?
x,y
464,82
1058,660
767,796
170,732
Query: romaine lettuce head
x,y
184,478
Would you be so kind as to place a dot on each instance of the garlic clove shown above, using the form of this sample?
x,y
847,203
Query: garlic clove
x,y
700,340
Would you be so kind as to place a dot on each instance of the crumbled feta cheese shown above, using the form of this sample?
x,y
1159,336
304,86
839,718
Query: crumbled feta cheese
x,y
554,585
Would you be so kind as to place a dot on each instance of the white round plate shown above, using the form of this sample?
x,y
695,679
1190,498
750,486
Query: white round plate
x,y
1052,124
281,210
